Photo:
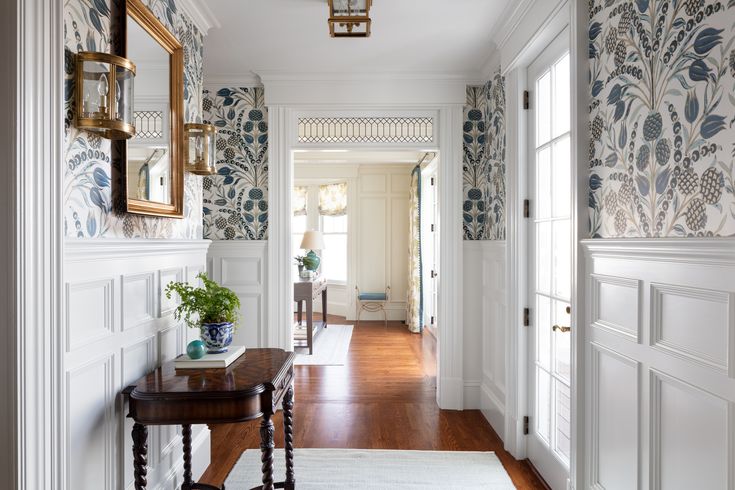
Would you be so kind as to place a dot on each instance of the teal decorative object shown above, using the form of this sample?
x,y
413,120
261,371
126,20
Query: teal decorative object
x,y
312,261
196,349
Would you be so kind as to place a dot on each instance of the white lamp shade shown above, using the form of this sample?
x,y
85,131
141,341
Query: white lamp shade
x,y
312,240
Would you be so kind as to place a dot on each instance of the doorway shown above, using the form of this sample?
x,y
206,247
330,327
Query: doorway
x,y
550,262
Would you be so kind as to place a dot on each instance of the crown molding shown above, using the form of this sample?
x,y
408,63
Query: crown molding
x,y
514,12
200,14
217,81
357,76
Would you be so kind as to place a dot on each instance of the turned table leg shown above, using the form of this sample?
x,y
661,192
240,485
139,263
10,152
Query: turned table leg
x,y
186,437
140,455
266,447
290,483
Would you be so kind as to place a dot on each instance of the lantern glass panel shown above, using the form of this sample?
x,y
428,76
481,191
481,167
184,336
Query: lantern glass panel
x,y
124,91
96,89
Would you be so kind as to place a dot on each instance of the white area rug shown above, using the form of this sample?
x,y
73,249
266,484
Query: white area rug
x,y
330,347
359,469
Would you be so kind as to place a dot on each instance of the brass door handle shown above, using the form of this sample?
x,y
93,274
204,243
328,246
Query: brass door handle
x,y
561,328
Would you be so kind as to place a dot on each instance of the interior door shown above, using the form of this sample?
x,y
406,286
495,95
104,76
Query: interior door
x,y
430,247
550,267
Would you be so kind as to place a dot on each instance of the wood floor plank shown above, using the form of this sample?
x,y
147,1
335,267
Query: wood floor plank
x,y
383,398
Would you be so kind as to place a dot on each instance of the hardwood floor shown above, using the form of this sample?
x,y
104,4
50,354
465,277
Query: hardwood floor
x,y
384,398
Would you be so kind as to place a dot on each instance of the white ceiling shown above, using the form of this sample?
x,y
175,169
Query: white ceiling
x,y
337,157
408,36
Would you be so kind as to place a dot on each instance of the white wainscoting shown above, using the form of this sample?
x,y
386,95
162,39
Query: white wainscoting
x,y
660,391
118,325
241,266
484,326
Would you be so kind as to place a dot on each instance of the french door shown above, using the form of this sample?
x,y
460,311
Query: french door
x,y
550,264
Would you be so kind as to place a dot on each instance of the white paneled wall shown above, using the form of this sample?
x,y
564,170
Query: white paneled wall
x,y
484,329
660,403
241,266
118,326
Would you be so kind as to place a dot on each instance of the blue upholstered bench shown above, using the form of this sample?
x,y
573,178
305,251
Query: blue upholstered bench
x,y
372,302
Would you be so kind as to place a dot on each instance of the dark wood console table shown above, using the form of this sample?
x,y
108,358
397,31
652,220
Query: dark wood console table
x,y
307,290
249,388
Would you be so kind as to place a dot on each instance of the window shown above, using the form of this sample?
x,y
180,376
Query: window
x,y
323,207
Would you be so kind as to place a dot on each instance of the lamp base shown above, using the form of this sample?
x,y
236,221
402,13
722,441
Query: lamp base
x,y
312,261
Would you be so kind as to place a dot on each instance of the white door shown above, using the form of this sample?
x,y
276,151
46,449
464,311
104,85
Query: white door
x,y
550,271
429,246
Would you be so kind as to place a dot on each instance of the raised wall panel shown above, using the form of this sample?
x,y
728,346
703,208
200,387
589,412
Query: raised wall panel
x,y
245,271
691,446
400,183
372,183
691,322
168,344
399,244
90,428
615,305
246,334
138,299
167,276
614,420
89,310
373,215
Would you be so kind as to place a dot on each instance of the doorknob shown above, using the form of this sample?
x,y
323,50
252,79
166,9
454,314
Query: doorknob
x,y
561,328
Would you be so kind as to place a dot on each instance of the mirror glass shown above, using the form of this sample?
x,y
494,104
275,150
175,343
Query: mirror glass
x,y
149,168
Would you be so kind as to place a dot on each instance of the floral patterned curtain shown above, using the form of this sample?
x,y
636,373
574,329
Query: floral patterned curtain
x,y
333,199
415,299
298,203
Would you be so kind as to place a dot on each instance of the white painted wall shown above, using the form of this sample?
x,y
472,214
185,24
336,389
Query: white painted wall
x,y
377,215
241,266
484,325
660,389
118,326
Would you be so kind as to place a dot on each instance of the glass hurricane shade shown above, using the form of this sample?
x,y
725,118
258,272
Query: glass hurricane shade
x,y
199,148
104,94
313,240
349,18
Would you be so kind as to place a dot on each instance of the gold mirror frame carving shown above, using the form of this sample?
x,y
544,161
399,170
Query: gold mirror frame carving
x,y
137,11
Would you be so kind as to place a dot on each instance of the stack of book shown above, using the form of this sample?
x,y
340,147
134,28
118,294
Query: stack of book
x,y
221,360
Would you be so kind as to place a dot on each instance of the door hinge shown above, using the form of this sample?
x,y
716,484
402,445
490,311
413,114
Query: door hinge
x,y
433,274
432,181
526,208
526,100
526,317
526,423
432,320
432,227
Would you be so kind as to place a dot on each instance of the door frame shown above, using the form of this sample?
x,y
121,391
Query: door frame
x,y
447,113
570,14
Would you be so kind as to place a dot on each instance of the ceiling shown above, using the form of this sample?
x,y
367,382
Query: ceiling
x,y
331,157
408,36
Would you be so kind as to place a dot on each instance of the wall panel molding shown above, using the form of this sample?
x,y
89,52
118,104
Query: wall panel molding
x,y
127,281
686,387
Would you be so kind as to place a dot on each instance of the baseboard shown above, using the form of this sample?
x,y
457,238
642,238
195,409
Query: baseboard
x,y
471,395
451,393
493,409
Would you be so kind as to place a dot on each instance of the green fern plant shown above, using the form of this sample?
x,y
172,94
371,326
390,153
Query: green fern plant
x,y
211,303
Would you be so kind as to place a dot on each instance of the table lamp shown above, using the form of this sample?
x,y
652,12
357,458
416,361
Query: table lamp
x,y
312,240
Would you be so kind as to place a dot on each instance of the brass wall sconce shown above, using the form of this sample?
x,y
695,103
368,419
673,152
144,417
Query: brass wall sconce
x,y
349,18
199,148
104,86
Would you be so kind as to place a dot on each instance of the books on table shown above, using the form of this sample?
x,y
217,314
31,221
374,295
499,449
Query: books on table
x,y
221,360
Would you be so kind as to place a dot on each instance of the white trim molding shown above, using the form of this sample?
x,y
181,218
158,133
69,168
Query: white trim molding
x,y
200,14
289,98
34,245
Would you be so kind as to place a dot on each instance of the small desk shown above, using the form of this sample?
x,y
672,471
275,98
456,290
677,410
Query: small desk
x,y
307,290
249,388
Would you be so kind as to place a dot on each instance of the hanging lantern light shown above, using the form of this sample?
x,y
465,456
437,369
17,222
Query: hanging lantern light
x,y
199,148
349,18
104,86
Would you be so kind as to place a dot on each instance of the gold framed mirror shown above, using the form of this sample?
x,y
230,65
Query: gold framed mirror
x,y
153,159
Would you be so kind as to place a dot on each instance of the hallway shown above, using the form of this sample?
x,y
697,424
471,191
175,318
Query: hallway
x,y
384,398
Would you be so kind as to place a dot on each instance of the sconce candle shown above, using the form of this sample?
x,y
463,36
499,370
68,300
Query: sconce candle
x,y
110,77
199,148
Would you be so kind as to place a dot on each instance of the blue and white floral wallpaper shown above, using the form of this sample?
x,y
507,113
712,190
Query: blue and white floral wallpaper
x,y
236,199
91,208
484,161
662,142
